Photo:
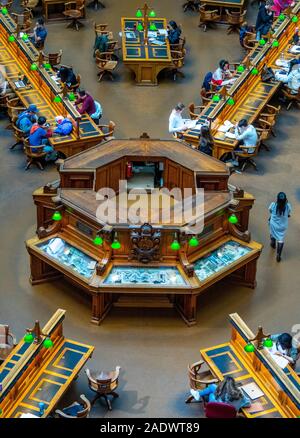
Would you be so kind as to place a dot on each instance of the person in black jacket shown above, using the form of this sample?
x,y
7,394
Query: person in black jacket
x,y
174,32
67,76
264,19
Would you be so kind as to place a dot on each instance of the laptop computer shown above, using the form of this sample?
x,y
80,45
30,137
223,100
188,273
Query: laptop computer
x,y
22,83
252,390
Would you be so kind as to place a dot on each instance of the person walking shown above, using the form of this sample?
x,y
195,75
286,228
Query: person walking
x,y
278,222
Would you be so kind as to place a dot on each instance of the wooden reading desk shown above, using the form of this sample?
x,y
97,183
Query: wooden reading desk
x,y
33,374
146,60
249,92
222,5
17,57
53,9
281,387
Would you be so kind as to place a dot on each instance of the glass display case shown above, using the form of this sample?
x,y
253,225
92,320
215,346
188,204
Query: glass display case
x,y
69,256
219,259
164,276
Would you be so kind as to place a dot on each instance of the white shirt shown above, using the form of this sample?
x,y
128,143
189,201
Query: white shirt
x,y
176,122
248,136
293,80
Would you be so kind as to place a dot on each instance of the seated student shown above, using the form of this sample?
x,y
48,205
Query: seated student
x,y
67,76
226,391
296,37
174,32
205,140
64,126
27,118
85,103
292,79
39,34
39,135
247,135
264,19
283,346
176,122
207,81
101,43
280,5
222,73
245,28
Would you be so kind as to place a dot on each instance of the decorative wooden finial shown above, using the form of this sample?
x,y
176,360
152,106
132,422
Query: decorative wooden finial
x,y
259,338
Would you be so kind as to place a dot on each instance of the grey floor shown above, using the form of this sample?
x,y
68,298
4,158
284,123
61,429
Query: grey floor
x,y
153,347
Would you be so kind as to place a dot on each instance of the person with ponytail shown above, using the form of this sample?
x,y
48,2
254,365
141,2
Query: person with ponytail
x,y
278,222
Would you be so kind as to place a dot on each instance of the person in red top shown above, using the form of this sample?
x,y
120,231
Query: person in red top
x,y
85,103
222,73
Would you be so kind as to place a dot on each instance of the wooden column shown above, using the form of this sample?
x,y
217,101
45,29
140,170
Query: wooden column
x,y
101,305
186,305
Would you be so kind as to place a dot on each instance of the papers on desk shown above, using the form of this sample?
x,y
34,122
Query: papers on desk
x,y
229,81
28,416
295,49
226,126
163,32
282,63
230,135
152,34
56,79
157,42
92,265
280,360
130,35
252,390
191,124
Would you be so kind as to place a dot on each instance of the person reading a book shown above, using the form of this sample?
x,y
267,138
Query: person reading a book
x,y
285,347
222,73
226,391
176,121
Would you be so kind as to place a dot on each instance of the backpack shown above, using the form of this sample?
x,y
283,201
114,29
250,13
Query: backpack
x,y
65,128
24,122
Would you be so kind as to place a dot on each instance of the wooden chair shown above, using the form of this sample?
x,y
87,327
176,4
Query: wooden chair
x,y
180,46
19,135
23,21
246,157
101,29
35,157
29,5
265,130
290,97
235,20
249,41
198,378
104,384
54,59
7,342
112,46
13,109
195,111
191,5
74,10
106,64
206,96
269,115
108,130
76,410
177,64
208,17
77,85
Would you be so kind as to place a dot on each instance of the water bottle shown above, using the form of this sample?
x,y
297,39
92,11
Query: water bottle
x,y
42,408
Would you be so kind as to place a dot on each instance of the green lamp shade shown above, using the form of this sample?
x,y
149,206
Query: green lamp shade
x,y
275,43
4,11
57,99
11,38
233,219
139,13
57,216
268,343
140,27
175,245
249,348
230,101
194,241
281,17
1,411
71,97
33,66
262,42
47,66
98,240
294,19
25,37
48,343
254,71
216,98
153,27
152,14
116,244
28,338
241,68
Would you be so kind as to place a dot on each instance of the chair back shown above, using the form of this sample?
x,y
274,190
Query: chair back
x,y
53,59
87,407
208,15
220,410
13,109
105,385
206,96
4,329
235,17
38,150
100,29
111,46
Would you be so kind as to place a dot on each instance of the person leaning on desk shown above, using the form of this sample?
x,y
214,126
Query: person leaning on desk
x,y
285,347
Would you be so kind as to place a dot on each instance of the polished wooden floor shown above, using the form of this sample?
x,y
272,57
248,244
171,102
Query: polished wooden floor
x,y
153,347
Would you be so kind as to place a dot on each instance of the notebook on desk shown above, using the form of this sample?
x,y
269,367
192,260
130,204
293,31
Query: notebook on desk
x,y
22,83
252,390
